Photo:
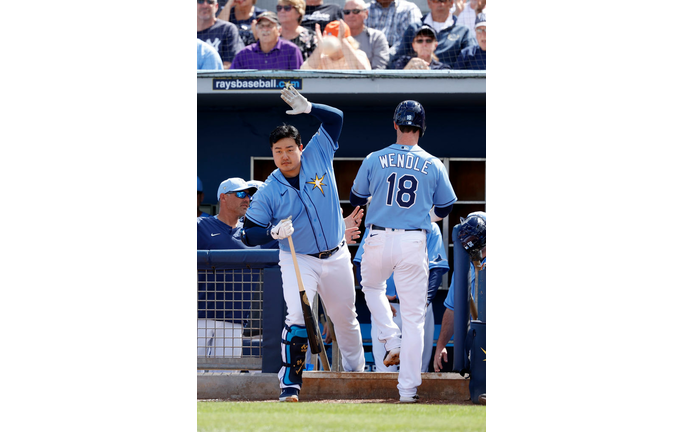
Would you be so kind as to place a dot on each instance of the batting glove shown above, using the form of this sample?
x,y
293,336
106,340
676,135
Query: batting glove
x,y
282,230
294,99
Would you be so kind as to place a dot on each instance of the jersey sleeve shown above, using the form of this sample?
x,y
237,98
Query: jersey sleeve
x,y
332,120
361,184
260,210
444,194
450,297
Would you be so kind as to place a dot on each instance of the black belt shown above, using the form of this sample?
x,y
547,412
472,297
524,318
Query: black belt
x,y
328,253
377,227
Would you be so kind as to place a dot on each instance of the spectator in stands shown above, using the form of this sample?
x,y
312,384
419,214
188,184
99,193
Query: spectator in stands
x,y
424,45
392,17
452,37
207,57
447,330
222,35
241,13
371,41
337,50
319,13
290,13
200,189
474,57
465,12
269,51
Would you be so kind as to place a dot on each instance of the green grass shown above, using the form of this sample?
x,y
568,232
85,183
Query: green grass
x,y
334,417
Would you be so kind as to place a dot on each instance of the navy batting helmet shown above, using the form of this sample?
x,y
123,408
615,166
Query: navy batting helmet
x,y
472,235
411,113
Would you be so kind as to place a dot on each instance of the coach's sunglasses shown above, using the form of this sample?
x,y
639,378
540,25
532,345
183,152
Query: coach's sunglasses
x,y
240,194
355,11
287,8
208,1
426,40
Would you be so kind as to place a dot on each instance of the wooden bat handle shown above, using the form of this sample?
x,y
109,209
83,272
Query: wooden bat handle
x,y
296,265
314,339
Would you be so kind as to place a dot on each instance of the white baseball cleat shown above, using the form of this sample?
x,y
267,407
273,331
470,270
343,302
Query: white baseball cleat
x,y
409,399
392,357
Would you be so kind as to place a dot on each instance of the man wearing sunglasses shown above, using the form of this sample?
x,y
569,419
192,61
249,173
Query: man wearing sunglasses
x,y
222,35
371,41
222,231
424,45
223,307
452,37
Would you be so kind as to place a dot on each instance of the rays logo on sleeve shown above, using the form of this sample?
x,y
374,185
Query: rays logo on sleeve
x,y
318,183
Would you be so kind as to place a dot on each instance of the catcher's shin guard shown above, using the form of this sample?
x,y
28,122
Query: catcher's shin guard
x,y
294,347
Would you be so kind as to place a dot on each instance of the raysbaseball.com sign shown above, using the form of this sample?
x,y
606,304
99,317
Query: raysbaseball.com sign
x,y
255,83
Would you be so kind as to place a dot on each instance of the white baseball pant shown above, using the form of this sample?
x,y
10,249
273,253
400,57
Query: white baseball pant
x,y
405,254
332,278
378,349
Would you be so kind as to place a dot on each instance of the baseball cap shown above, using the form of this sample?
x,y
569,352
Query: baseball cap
x,y
255,184
233,184
332,29
271,16
200,187
480,21
426,29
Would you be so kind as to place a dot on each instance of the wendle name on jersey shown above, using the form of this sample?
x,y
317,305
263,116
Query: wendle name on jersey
x,y
403,161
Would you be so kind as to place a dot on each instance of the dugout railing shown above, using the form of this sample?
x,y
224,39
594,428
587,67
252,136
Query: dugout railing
x,y
236,289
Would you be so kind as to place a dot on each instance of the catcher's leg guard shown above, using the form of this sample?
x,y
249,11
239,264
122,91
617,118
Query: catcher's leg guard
x,y
294,347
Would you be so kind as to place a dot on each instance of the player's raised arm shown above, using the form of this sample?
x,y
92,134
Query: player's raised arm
x,y
332,118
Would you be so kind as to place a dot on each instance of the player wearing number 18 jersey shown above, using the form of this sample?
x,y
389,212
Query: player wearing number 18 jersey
x,y
405,182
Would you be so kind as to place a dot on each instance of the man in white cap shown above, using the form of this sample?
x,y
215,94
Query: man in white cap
x,y
221,309
222,232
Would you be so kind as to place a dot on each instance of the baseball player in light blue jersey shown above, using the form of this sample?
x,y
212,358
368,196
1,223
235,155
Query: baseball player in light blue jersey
x,y
441,355
405,182
438,265
304,188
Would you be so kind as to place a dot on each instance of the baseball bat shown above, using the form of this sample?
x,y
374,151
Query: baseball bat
x,y
315,340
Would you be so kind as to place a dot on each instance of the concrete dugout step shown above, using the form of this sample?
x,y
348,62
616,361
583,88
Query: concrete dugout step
x,y
330,385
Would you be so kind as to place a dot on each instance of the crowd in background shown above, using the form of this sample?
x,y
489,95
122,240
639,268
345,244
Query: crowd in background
x,y
308,34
